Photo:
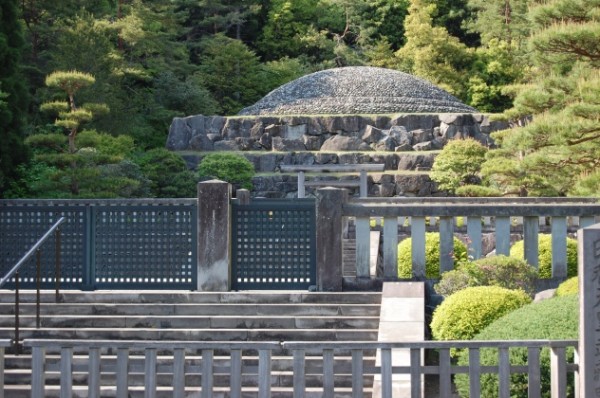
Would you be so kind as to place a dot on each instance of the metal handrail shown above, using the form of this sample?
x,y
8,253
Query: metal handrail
x,y
14,272
31,251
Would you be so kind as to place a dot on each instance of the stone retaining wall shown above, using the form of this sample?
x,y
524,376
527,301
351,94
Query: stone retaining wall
x,y
419,132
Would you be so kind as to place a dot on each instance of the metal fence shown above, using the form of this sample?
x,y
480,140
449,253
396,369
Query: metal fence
x,y
106,244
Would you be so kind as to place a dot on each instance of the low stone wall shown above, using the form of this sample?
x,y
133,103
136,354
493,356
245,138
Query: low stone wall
x,y
407,132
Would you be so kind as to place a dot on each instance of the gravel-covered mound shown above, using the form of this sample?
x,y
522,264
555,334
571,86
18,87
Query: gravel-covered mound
x,y
357,90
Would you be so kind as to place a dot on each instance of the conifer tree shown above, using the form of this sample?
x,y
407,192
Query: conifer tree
x,y
13,94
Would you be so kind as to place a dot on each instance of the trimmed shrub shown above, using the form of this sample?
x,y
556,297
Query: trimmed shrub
x,y
465,313
545,255
229,167
568,287
503,271
475,191
432,255
553,319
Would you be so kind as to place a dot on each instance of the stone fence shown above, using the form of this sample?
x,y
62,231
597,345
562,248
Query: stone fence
x,y
334,208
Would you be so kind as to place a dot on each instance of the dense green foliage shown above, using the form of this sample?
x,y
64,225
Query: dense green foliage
x,y
545,255
568,287
432,255
552,319
458,164
503,271
229,167
467,312
13,94
154,60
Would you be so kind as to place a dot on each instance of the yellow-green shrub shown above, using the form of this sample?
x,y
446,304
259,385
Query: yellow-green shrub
x,y
568,287
465,313
545,255
432,255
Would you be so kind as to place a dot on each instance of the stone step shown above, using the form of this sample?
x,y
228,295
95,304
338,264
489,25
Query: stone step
x,y
207,309
166,392
195,334
138,297
195,322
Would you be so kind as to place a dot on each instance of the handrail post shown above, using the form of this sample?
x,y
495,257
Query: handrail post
x,y
38,279
17,347
57,262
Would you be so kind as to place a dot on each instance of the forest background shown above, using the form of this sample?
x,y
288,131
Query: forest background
x,y
88,88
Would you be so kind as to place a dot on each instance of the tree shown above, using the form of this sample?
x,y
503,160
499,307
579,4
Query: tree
x,y
503,20
13,94
232,72
168,173
431,53
458,164
559,148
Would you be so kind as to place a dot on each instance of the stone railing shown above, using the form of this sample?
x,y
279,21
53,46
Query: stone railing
x,y
498,213
4,343
173,363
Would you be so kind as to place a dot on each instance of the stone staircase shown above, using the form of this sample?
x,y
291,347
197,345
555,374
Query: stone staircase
x,y
192,316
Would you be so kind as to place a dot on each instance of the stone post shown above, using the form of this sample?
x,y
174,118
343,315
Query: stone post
x,y
243,196
588,240
329,238
214,236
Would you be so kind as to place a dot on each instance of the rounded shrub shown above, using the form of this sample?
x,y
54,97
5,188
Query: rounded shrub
x,y
432,255
568,287
545,255
503,271
477,191
465,313
553,319
229,167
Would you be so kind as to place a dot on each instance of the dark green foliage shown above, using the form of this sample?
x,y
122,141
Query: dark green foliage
x,y
568,287
229,167
467,312
552,319
477,191
545,255
432,255
507,272
14,98
458,164
168,173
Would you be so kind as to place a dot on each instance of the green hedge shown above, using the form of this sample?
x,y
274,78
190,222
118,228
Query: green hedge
x,y
545,255
465,313
552,319
229,167
432,255
568,287
503,271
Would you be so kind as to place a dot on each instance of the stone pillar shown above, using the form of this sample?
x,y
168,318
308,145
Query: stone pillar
x,y
589,311
214,236
329,238
243,196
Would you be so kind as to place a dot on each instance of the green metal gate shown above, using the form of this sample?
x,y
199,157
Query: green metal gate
x,y
274,245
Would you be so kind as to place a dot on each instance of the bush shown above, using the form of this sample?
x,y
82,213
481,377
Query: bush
x,y
168,172
235,169
465,313
553,319
502,271
568,287
459,163
475,191
545,255
432,255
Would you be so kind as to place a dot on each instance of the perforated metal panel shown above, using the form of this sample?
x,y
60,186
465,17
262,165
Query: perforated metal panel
x,y
273,245
149,247
22,226
106,244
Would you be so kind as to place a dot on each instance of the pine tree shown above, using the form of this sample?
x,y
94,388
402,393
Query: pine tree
x,y
558,151
13,94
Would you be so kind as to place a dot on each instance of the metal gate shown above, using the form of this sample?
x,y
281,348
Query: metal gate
x,y
274,245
